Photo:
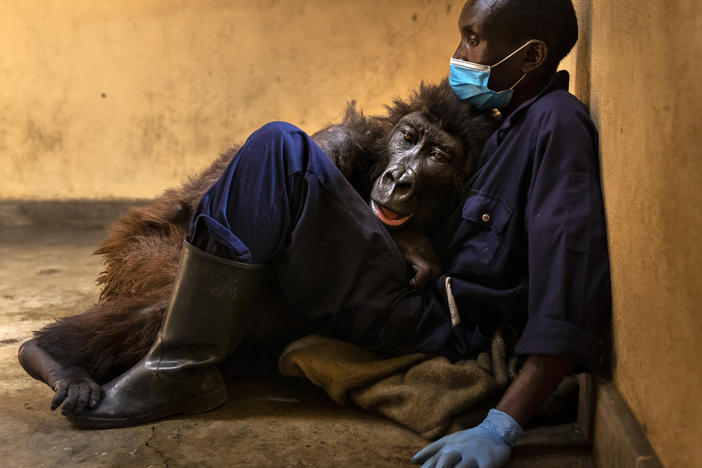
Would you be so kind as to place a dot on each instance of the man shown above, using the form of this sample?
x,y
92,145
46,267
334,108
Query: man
x,y
527,246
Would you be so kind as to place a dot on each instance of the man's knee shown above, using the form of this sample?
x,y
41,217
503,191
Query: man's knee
x,y
279,145
276,131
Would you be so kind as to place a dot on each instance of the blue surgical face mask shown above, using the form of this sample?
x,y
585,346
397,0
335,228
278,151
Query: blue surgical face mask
x,y
470,82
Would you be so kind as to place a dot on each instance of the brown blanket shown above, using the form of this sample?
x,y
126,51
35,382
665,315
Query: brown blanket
x,y
423,392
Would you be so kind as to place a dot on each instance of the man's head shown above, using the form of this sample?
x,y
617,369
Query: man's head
x,y
492,29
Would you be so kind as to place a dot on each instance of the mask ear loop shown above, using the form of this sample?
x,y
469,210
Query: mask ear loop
x,y
510,55
518,81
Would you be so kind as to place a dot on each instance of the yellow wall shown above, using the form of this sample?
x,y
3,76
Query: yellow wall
x,y
639,66
185,79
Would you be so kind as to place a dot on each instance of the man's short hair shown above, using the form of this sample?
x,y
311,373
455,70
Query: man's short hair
x,y
552,21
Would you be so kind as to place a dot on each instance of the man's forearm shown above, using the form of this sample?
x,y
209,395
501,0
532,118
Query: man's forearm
x,y
539,377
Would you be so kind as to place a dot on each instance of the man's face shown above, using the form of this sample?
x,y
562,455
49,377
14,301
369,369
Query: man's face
x,y
484,41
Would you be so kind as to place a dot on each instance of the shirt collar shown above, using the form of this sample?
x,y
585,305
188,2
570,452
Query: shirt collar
x,y
558,81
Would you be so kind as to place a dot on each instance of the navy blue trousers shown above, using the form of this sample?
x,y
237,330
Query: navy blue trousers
x,y
282,202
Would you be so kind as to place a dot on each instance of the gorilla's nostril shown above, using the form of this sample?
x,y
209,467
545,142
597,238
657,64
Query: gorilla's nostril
x,y
403,187
404,183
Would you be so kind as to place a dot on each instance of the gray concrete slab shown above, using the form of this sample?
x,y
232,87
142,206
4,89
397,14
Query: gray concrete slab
x,y
48,273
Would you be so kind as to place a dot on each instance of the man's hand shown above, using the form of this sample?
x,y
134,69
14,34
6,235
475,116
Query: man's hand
x,y
488,445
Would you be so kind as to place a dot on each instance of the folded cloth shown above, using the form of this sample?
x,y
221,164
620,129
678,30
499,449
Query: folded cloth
x,y
426,393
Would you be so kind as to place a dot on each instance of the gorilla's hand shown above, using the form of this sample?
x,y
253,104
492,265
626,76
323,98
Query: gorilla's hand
x,y
419,253
74,388
73,385
425,269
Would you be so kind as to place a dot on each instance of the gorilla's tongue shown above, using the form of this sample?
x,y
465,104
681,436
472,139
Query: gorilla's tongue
x,y
387,216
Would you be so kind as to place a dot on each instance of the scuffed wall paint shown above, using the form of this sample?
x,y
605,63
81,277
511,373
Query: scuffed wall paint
x,y
121,99
639,65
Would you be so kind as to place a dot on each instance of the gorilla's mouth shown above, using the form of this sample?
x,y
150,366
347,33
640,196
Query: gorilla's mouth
x,y
389,217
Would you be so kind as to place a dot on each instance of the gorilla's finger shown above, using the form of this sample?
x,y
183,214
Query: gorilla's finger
x,y
59,396
71,401
422,278
83,397
95,394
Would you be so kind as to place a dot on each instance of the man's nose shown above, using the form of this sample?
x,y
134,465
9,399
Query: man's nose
x,y
460,52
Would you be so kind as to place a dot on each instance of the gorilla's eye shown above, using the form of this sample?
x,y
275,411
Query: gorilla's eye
x,y
438,156
406,135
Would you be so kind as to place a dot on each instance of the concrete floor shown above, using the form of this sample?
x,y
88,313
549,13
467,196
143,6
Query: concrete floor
x,y
268,421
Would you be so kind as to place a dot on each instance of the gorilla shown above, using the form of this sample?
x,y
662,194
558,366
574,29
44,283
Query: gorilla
x,y
411,164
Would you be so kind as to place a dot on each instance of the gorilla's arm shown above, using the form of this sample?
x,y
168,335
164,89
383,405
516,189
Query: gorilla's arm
x,y
71,384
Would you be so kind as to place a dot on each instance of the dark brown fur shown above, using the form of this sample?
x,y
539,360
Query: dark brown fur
x,y
142,249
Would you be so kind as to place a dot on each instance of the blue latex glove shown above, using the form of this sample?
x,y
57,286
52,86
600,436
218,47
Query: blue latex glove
x,y
487,445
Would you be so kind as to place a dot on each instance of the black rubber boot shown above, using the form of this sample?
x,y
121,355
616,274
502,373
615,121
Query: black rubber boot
x,y
209,307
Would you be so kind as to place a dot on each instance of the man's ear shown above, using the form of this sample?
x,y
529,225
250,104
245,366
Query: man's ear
x,y
536,54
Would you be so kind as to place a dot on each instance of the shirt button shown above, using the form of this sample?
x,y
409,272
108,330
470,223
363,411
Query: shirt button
x,y
485,217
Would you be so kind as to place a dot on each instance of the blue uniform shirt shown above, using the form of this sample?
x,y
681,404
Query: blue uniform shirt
x,y
529,244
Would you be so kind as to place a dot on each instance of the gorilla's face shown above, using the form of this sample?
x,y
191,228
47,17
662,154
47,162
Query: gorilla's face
x,y
425,167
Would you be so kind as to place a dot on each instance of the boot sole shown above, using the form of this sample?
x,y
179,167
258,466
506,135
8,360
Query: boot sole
x,y
197,405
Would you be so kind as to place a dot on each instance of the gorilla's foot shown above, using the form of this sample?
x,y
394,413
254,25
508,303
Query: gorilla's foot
x,y
142,395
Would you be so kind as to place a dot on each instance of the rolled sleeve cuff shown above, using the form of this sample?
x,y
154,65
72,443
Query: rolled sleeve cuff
x,y
543,335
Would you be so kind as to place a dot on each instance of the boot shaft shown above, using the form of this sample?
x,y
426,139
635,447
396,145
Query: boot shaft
x,y
208,311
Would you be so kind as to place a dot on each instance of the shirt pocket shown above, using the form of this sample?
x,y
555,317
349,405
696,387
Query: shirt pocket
x,y
485,217
586,231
